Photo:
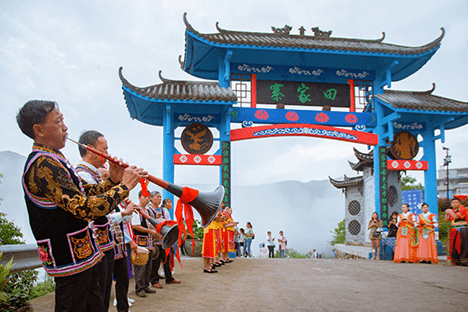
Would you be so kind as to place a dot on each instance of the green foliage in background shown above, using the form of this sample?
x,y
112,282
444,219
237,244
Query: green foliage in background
x,y
43,288
291,253
409,183
4,273
339,234
197,230
19,285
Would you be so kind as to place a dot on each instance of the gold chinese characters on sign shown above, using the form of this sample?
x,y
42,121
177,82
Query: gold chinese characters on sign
x,y
197,139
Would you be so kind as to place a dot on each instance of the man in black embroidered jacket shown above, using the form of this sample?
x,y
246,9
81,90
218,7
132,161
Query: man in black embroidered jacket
x,y
60,204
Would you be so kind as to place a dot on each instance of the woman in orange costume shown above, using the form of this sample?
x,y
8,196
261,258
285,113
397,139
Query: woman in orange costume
x,y
405,247
427,248
228,235
209,248
459,231
217,230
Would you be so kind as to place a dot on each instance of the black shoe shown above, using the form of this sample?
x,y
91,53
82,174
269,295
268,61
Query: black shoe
x,y
208,271
140,294
150,291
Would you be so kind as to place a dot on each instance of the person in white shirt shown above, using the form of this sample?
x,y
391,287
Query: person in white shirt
x,y
314,254
282,244
271,245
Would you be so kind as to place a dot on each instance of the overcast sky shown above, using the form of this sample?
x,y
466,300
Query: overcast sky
x,y
70,52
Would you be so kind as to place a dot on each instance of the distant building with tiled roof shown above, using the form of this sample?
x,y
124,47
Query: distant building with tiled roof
x,y
359,197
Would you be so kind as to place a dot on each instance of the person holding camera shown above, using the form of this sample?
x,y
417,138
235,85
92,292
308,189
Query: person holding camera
x,y
390,240
375,235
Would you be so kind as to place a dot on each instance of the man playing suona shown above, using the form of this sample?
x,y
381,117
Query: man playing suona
x,y
60,205
107,229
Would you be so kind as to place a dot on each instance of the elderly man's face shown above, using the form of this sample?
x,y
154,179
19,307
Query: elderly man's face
x,y
53,131
156,200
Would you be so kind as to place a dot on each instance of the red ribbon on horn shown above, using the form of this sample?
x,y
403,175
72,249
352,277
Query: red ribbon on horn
x,y
188,195
168,250
144,187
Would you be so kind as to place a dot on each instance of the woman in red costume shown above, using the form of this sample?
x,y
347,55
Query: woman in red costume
x,y
209,248
405,248
458,215
427,248
228,235
218,230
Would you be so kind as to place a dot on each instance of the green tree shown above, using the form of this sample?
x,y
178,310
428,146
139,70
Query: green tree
x,y
19,284
339,234
409,183
292,253
197,230
10,234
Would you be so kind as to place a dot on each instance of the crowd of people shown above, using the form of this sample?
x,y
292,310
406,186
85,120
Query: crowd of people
x,y
412,237
86,226
218,240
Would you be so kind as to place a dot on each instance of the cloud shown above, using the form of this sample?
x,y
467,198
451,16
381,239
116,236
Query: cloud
x,y
71,51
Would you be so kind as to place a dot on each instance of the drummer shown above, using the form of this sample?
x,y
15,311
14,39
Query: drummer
x,y
163,256
144,236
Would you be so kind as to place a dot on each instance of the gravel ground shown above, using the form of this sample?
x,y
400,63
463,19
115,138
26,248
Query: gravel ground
x,y
305,285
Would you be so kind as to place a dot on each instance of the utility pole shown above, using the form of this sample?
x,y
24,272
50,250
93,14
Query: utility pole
x,y
447,161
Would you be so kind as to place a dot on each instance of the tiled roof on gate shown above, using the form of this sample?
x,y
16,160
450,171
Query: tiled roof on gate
x,y
423,100
321,40
183,90
346,182
365,160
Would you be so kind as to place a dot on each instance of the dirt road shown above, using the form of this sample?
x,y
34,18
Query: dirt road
x,y
305,285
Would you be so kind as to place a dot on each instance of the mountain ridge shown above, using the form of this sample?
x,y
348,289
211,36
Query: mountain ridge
x,y
306,211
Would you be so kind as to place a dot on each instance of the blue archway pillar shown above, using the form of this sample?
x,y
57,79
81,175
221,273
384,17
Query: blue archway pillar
x,y
430,175
380,131
224,128
168,152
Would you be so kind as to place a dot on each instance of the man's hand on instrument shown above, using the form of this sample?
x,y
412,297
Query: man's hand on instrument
x,y
132,175
130,207
133,246
116,170
156,235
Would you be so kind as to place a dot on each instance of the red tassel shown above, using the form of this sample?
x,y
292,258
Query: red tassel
x,y
188,195
144,187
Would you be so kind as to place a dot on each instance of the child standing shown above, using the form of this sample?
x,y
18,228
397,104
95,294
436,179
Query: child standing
x,y
263,252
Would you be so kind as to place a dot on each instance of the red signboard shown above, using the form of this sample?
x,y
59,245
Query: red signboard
x,y
407,165
197,159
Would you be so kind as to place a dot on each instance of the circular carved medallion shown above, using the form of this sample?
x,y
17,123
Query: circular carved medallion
x,y
196,139
405,145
